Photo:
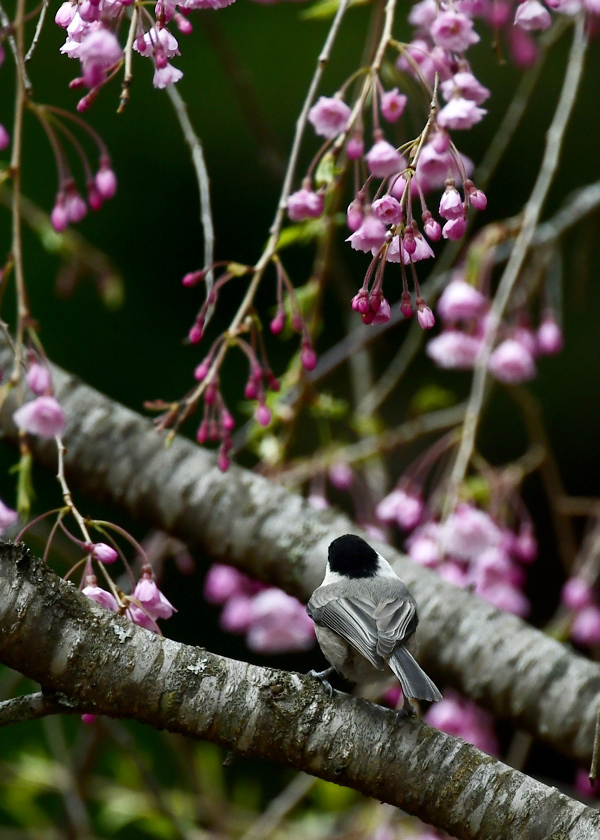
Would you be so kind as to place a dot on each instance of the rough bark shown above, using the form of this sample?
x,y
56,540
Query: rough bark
x,y
243,519
87,658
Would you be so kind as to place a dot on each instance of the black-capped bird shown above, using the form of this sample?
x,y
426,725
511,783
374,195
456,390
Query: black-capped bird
x,y
365,619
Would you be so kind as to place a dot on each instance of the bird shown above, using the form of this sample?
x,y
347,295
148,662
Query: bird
x,y
365,620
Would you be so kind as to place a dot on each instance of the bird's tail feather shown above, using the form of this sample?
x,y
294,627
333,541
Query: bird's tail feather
x,y
413,679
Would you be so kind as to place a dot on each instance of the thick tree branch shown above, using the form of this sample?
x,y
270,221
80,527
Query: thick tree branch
x,y
93,660
243,519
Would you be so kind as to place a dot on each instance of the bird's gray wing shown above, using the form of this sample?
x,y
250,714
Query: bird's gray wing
x,y
349,617
395,620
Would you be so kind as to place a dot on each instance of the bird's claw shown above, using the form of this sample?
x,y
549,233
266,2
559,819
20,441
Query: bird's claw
x,y
322,677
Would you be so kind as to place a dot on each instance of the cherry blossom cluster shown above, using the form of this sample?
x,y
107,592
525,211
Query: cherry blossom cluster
x,y
579,597
271,621
91,27
464,310
218,423
470,548
390,178
42,416
144,606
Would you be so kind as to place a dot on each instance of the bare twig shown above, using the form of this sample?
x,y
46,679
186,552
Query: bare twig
x,y
515,263
199,161
38,31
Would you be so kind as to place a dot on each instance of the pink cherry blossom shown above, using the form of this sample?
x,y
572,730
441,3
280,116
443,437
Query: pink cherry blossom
x,y
451,204
511,362
383,159
405,508
341,475
585,629
151,598
387,209
42,416
304,204
460,113
8,517
454,228
102,552
549,337
461,300
370,235
453,31
468,532
465,85
165,76
355,147
329,116
454,350
423,14
279,624
393,104
101,596
577,594
423,545
532,16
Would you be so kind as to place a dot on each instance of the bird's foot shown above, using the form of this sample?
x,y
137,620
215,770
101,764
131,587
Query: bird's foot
x,y
407,710
322,677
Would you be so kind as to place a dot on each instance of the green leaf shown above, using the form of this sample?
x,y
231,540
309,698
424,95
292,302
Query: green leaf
x,y
301,233
326,9
237,269
326,170
431,398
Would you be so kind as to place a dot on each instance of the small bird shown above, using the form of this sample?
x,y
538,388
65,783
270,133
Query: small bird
x,y
365,619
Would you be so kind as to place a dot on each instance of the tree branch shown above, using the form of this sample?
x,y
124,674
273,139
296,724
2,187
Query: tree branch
x,y
93,660
240,518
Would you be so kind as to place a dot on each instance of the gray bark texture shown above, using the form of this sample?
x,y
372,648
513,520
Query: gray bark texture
x,y
88,659
245,520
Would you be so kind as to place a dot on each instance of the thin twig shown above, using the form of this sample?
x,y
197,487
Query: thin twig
x,y
199,161
38,31
515,263
275,229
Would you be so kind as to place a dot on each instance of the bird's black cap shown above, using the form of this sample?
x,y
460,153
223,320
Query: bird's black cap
x,y
352,556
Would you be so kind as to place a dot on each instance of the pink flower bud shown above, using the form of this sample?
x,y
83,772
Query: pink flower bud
x,y
308,357
251,389
38,378
201,371
210,395
192,278
195,334
454,228
223,461
383,159
103,552
4,138
277,324
478,199
432,229
549,337
577,594
89,719
405,305
355,147
425,317
106,180
227,421
585,629
58,216
263,415
202,433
